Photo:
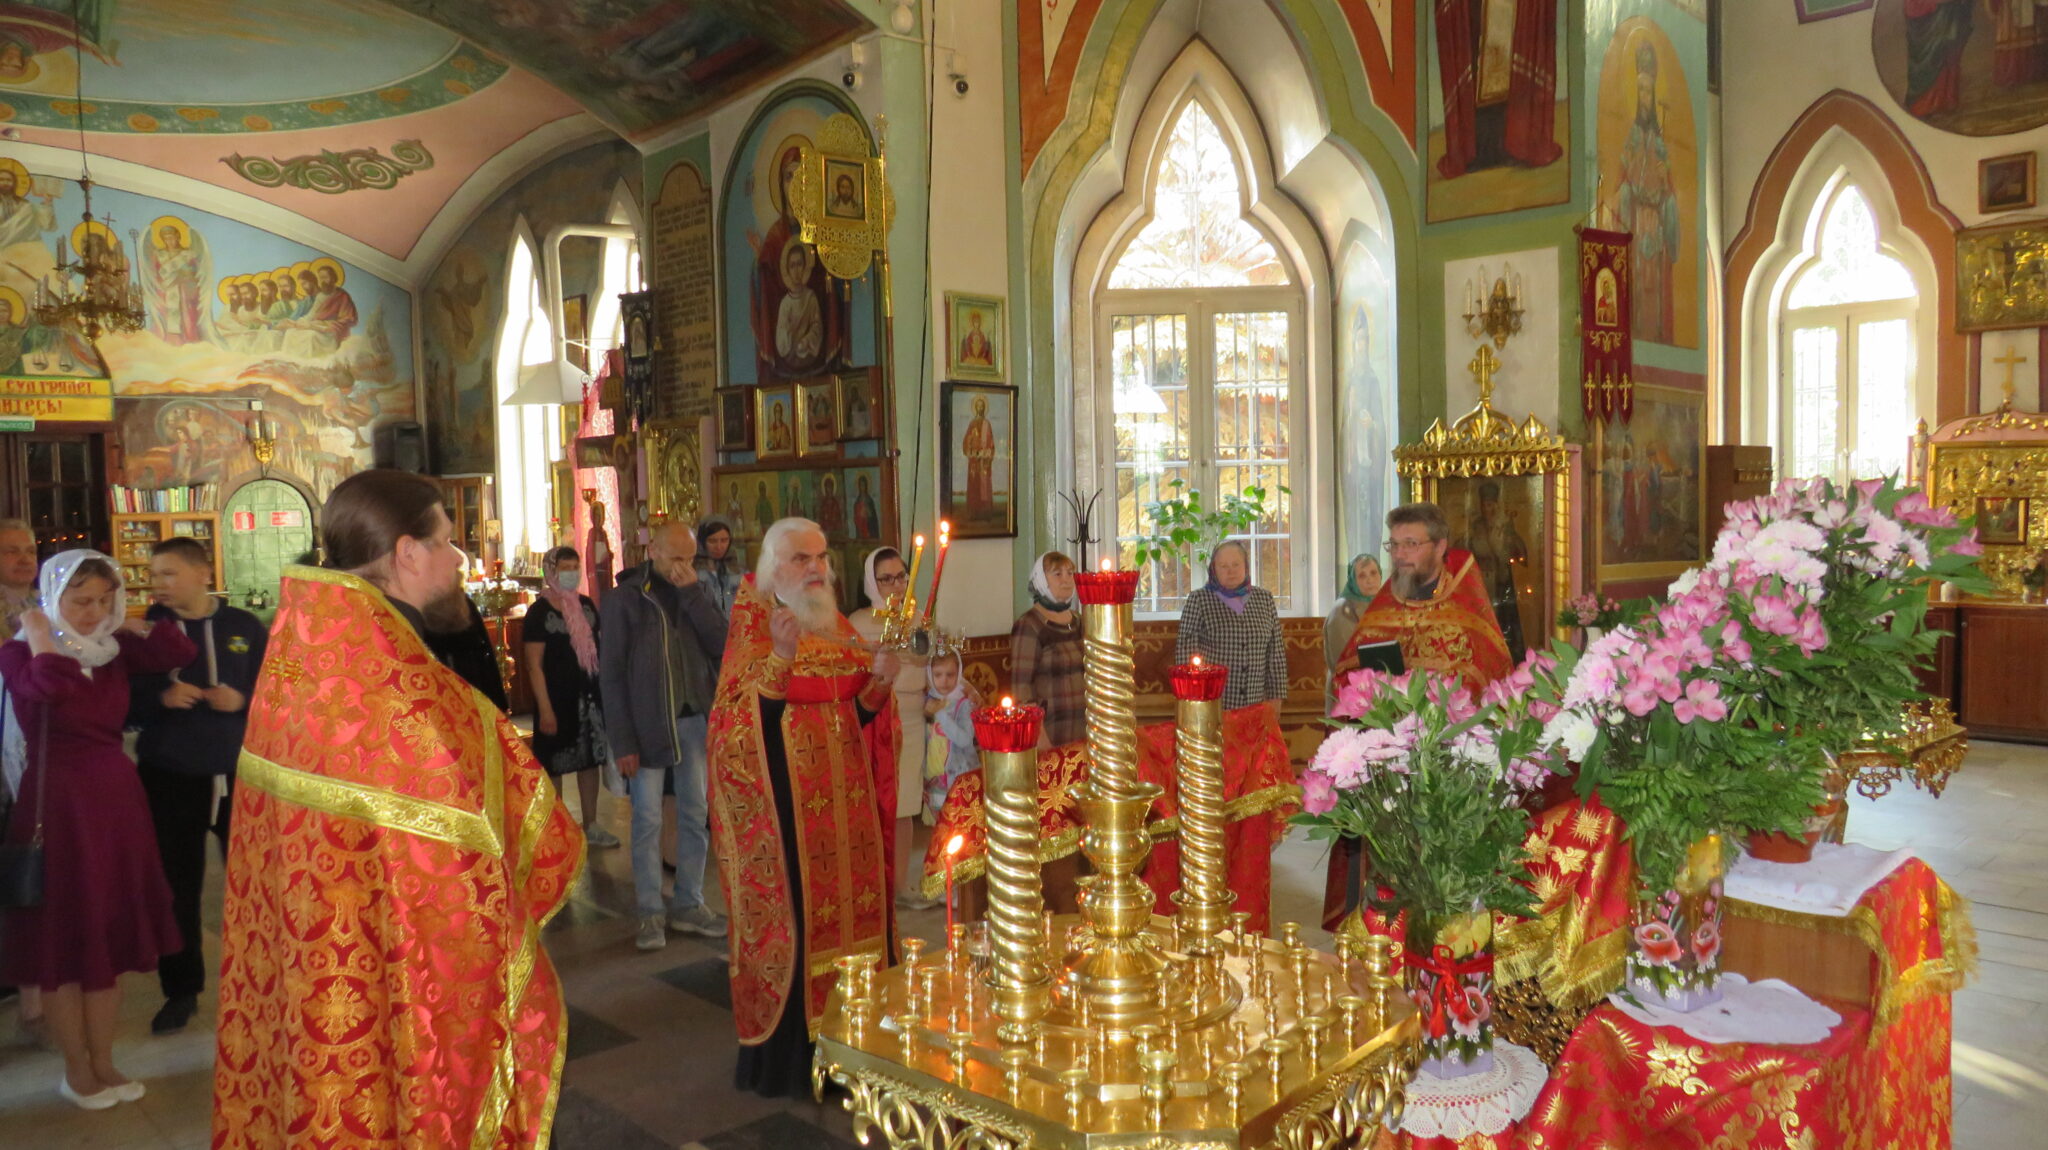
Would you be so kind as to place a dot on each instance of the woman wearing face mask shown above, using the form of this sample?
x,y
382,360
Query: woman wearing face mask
x,y
1362,581
718,568
1229,621
106,909
561,662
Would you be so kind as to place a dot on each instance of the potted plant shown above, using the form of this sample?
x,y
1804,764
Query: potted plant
x,y
1433,781
1185,530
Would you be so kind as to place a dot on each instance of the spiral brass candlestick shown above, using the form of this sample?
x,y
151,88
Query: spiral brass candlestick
x,y
1204,897
1110,670
1016,907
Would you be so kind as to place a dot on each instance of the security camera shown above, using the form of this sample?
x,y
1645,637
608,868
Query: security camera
x,y
959,85
850,78
856,61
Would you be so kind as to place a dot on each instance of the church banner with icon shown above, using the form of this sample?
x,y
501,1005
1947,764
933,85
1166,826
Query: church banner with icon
x,y
1606,341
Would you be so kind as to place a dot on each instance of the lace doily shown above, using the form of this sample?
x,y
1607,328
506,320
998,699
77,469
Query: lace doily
x,y
1484,1103
1831,884
1770,1011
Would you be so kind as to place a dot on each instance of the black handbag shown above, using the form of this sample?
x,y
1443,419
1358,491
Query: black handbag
x,y
21,864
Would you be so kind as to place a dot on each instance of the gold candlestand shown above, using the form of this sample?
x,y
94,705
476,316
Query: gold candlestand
x,y
1120,973
1137,1031
1205,896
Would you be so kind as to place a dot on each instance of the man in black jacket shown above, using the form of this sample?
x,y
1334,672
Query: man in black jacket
x,y
192,723
664,638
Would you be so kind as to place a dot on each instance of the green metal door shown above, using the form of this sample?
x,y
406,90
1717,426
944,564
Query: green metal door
x,y
266,526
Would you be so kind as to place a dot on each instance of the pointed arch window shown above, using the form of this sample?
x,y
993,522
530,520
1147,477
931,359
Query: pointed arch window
x,y
529,438
1200,322
1848,396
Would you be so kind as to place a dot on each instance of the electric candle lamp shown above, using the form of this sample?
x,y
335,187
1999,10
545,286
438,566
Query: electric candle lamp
x,y
939,569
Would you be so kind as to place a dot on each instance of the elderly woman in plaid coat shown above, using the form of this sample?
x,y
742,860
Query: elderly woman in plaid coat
x,y
1231,622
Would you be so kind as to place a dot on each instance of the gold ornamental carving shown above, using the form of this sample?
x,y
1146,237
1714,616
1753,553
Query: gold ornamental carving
x,y
674,471
1484,443
841,196
1984,461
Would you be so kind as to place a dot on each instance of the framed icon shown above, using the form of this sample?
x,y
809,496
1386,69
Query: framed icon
x,y
775,421
735,419
818,409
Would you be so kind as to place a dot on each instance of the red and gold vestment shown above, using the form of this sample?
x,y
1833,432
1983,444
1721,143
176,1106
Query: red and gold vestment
x,y
841,776
395,852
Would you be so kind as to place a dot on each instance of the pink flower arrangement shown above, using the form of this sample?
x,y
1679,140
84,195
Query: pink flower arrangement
x,y
1786,646
1408,761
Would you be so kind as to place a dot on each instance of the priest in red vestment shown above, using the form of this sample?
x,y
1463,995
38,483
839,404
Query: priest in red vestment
x,y
396,851
1434,604
803,801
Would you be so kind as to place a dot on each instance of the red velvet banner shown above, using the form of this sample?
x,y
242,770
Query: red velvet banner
x,y
1606,345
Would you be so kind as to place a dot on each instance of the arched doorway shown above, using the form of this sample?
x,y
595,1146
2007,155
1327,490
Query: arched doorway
x,y
266,526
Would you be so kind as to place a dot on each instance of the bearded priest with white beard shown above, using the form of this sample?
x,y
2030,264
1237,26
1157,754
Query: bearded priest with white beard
x,y
802,802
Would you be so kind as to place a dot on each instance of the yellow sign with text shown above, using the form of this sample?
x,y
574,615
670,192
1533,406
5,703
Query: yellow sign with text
x,y
57,399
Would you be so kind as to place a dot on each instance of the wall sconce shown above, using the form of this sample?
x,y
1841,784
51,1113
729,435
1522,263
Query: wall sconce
x,y
1494,312
262,437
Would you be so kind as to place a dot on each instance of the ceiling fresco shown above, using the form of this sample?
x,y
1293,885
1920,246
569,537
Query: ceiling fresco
x,y
199,67
643,65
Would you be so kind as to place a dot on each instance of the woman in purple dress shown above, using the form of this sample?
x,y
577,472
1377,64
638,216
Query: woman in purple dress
x,y
106,908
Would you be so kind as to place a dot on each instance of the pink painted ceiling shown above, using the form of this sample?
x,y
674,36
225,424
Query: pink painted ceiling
x,y
461,137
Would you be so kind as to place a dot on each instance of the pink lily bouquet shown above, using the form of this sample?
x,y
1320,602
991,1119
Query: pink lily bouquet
x,y
1717,712
1590,610
1433,781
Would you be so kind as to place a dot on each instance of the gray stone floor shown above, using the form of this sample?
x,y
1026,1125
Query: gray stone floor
x,y
650,1058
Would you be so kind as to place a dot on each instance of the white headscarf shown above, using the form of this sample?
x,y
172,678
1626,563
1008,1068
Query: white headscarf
x,y
876,599
95,648
1041,588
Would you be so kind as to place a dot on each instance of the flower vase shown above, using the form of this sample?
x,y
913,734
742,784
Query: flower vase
x,y
1830,818
1450,980
1675,961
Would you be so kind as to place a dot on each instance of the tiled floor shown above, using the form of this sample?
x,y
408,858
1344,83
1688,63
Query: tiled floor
x,y
650,1059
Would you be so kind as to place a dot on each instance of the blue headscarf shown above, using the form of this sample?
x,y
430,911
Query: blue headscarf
x,y
1233,597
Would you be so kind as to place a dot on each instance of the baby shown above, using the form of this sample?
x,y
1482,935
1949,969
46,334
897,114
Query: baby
x,y
950,752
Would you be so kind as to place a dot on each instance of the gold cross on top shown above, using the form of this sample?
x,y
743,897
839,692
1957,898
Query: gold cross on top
x,y
1484,364
2010,359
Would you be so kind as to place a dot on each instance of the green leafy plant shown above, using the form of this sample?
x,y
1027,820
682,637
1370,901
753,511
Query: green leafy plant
x,y
1184,528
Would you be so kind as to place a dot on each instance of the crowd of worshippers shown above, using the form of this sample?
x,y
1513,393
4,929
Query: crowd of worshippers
x,y
692,682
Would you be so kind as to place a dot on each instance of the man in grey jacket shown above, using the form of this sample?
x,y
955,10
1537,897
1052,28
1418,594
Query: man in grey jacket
x,y
664,638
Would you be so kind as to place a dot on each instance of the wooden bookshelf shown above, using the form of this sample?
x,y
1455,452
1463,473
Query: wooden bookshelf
x,y
135,533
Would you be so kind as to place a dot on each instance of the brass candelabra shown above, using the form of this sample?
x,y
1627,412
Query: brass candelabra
x,y
1116,1026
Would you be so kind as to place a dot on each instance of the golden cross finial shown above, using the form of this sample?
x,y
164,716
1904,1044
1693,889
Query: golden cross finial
x,y
1484,364
2010,359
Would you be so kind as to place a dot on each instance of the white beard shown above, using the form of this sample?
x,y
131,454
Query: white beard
x,y
814,607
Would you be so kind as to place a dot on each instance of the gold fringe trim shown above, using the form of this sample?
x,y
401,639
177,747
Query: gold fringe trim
x,y
1896,989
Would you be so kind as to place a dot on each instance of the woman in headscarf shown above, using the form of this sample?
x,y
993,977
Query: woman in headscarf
x,y
106,908
1362,581
560,638
1045,652
1229,621
885,577
718,567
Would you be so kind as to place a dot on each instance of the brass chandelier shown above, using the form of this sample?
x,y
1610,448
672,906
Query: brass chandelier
x,y
93,289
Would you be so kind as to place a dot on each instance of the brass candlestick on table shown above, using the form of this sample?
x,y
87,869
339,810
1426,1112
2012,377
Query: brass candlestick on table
x,y
1204,896
1020,975
1120,974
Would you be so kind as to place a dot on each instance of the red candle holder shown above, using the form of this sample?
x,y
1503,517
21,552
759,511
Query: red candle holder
x,y
1198,682
1008,729
1106,588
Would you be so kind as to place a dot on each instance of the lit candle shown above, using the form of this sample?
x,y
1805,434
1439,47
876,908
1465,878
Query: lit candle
x,y
939,569
916,561
953,846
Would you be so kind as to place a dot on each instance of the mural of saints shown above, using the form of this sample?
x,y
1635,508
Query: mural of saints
x,y
800,314
1648,203
25,212
175,270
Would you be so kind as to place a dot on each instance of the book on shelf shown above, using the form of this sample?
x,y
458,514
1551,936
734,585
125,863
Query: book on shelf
x,y
142,501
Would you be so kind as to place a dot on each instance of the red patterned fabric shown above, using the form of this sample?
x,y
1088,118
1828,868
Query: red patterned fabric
x,y
1623,1084
396,852
1258,789
834,782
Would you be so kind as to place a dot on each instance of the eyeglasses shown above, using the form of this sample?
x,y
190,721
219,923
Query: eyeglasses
x,y
1396,546
899,577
